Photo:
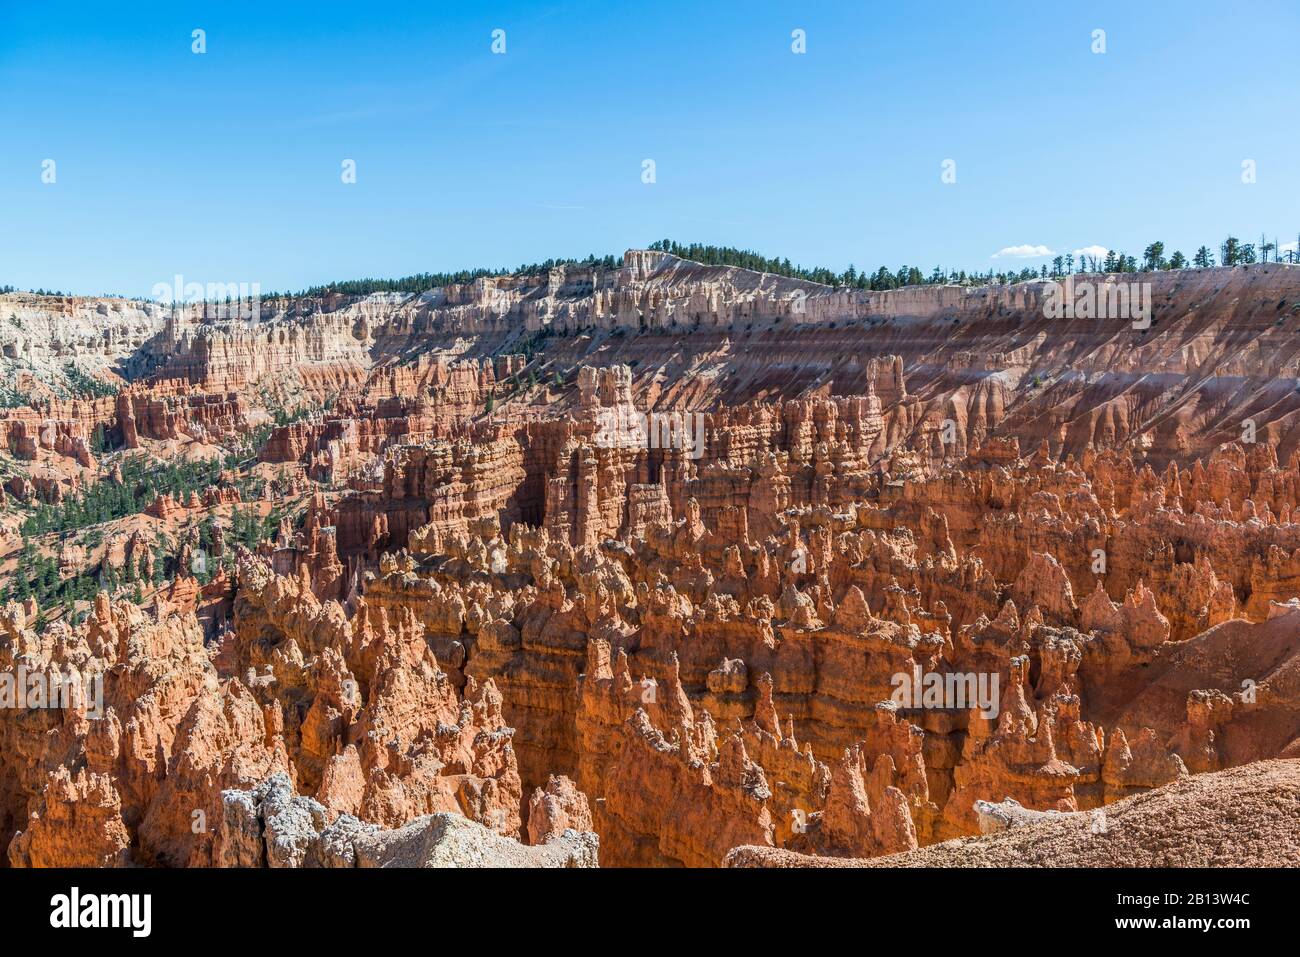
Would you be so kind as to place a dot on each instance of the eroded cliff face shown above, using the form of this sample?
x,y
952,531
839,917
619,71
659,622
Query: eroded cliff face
x,y
41,336
684,557
1214,363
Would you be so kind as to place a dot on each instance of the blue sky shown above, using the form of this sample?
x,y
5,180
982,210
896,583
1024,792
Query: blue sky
x,y
225,166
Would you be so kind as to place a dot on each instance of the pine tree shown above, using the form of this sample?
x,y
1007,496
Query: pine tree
x,y
1230,251
1153,256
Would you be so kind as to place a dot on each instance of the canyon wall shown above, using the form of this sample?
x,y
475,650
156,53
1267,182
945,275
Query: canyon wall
x,y
682,558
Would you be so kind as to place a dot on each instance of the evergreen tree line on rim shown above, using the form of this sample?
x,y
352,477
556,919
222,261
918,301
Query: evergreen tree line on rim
x,y
1232,252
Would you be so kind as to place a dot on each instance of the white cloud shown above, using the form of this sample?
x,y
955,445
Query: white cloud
x,y
1026,251
1289,247
1098,251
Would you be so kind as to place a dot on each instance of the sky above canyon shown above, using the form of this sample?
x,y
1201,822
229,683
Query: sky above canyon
x,y
228,165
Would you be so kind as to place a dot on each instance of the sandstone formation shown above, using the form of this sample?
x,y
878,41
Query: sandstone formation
x,y
270,826
1239,818
651,564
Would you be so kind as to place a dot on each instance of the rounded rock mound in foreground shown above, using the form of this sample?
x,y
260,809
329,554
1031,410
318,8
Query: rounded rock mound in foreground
x,y
1244,817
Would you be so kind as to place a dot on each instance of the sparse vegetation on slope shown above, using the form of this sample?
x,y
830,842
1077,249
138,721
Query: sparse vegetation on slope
x,y
142,481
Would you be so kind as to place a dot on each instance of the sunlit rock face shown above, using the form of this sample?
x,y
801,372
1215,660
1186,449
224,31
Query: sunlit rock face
x,y
640,566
